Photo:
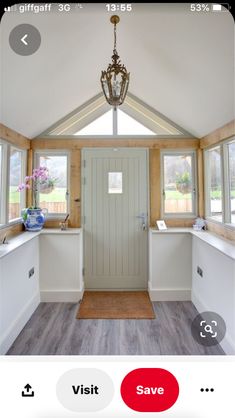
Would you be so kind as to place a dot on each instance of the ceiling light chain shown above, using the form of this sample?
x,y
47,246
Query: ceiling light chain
x,y
115,38
115,80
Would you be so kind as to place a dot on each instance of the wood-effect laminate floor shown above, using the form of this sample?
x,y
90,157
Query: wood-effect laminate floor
x,y
54,330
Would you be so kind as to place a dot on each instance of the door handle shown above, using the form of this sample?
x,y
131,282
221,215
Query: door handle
x,y
143,217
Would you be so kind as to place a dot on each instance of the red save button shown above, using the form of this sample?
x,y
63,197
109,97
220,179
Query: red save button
x,y
149,390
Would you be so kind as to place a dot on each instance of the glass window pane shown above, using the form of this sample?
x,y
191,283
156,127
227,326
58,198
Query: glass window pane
x,y
16,178
215,183
100,126
178,185
115,183
129,126
53,196
1,174
231,148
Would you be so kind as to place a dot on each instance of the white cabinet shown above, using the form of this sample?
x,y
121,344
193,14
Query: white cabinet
x,y
170,265
61,261
19,290
55,256
215,290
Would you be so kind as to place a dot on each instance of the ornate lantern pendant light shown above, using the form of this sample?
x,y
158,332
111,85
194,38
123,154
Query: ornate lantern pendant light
x,y
115,79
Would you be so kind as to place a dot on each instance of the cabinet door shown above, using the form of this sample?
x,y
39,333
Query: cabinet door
x,y
19,292
59,262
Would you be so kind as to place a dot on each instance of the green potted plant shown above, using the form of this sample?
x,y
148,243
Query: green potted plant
x,y
183,182
48,185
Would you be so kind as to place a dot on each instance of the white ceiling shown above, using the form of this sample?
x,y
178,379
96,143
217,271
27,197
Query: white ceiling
x,y
181,64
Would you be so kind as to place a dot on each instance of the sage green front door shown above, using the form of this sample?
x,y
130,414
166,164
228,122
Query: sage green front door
x,y
115,204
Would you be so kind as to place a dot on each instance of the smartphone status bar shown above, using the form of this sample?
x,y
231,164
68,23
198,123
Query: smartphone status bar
x,y
37,8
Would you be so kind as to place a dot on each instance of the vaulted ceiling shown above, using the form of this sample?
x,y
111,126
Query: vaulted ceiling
x,y
181,64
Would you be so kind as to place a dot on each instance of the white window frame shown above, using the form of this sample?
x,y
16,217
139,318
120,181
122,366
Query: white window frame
x,y
206,184
4,221
227,182
180,215
23,174
3,184
226,203
49,152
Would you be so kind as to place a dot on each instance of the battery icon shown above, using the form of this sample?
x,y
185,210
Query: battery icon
x,y
216,7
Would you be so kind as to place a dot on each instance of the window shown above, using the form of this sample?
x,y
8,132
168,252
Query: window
x,y
12,174
115,122
126,125
220,182
16,200
214,184
231,153
0,166
54,197
97,118
115,183
100,126
1,186
178,184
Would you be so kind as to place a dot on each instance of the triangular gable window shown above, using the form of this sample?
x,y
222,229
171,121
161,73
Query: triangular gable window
x,y
134,118
106,125
126,125
103,125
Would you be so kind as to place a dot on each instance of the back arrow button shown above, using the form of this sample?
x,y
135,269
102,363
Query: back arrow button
x,y
23,39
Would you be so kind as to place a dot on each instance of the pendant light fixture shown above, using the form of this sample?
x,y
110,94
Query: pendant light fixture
x,y
115,80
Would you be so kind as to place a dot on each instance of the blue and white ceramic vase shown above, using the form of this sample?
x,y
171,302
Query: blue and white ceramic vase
x,y
33,219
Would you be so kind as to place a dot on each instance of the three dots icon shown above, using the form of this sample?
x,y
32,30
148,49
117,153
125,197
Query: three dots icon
x,y
207,390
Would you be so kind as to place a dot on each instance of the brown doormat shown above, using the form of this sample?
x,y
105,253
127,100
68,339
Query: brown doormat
x,y
115,305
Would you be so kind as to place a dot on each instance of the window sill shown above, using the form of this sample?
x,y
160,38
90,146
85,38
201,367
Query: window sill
x,y
56,216
179,216
18,221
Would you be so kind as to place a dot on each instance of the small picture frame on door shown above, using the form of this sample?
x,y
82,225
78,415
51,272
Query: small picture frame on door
x,y
161,225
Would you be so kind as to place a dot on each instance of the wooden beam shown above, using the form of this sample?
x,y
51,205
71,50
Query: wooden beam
x,y
45,143
221,230
52,223
220,134
14,137
75,189
11,230
29,193
155,185
179,222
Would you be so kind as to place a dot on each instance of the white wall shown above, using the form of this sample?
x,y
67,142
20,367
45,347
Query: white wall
x,y
19,294
170,266
215,291
61,263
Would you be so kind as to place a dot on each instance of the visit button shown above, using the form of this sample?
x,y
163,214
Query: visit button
x,y
149,390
